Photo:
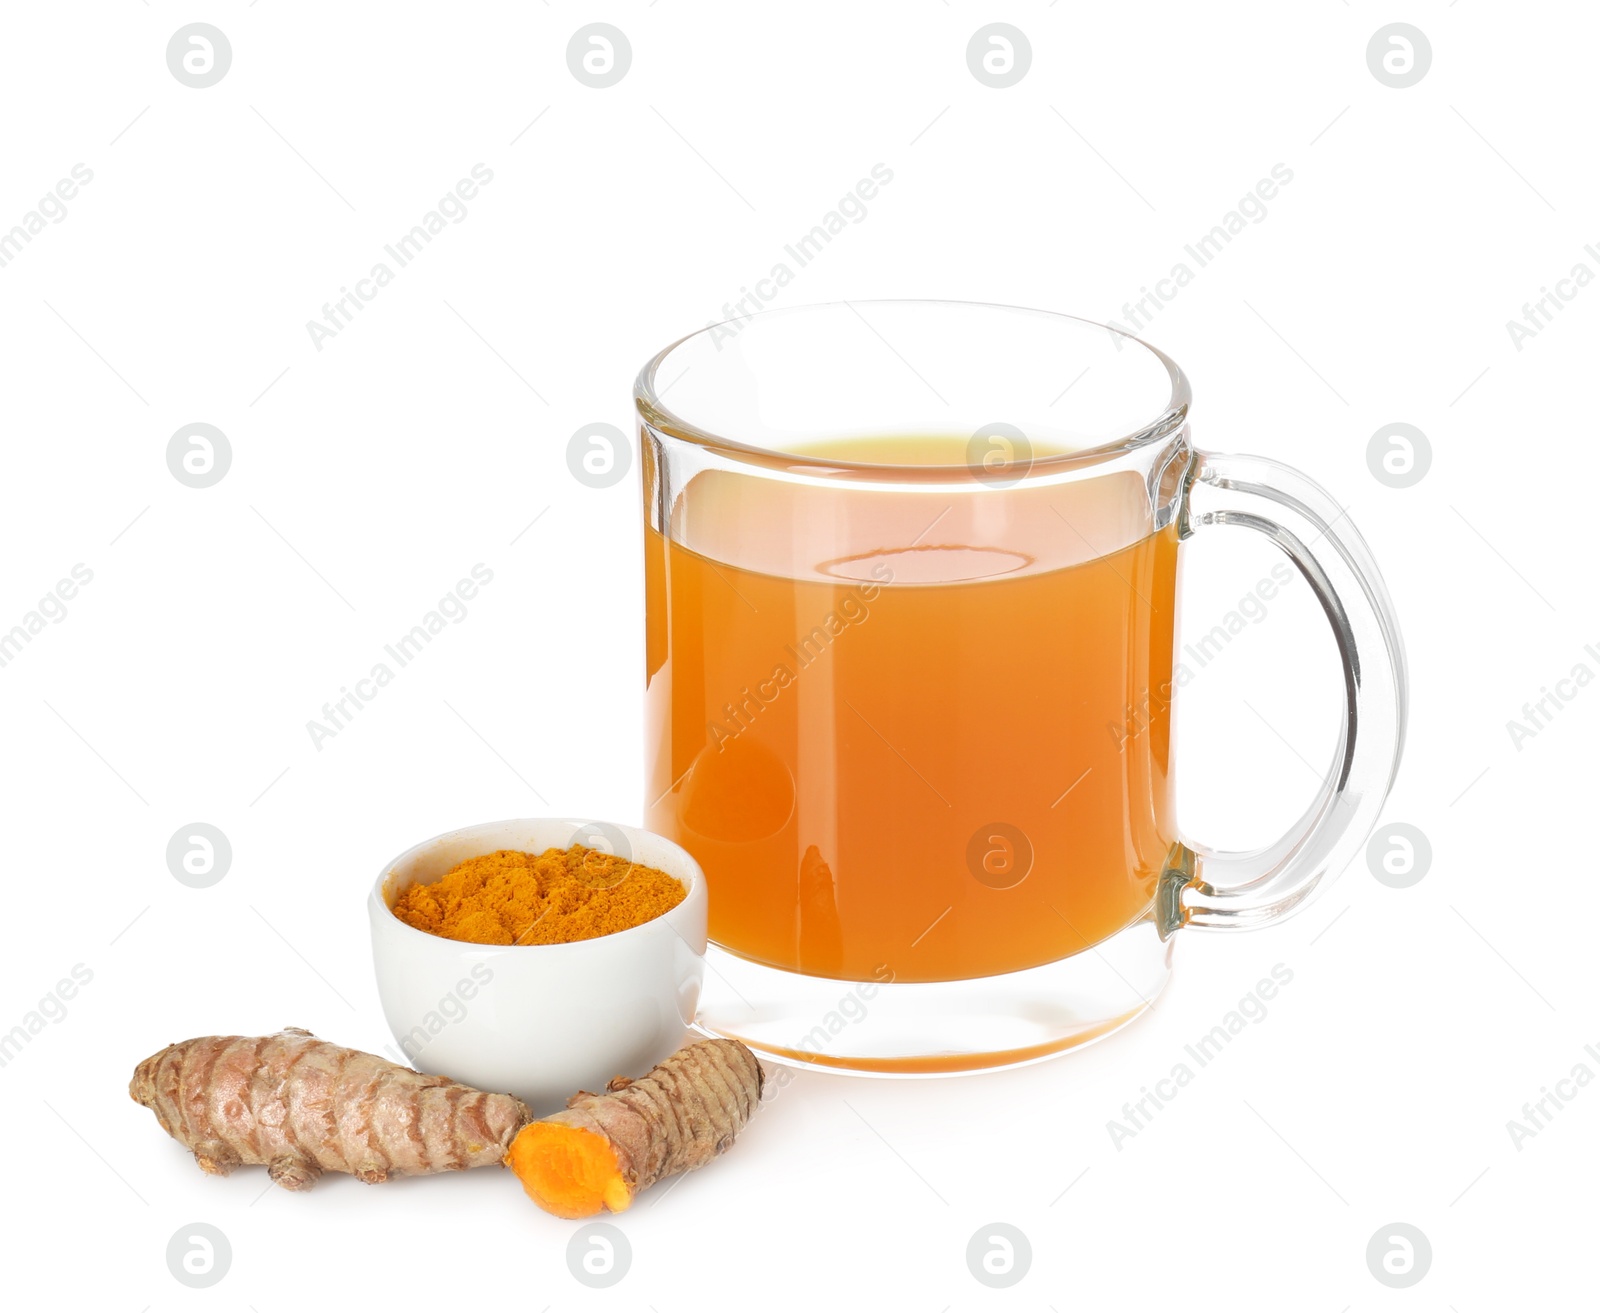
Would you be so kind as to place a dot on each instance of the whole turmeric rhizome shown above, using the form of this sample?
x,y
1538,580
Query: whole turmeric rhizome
x,y
301,1106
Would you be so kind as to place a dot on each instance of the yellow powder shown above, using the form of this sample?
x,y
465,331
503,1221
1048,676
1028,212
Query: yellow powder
x,y
561,895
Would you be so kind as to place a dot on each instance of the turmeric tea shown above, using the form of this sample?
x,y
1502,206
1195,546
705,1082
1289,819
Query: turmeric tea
x,y
556,897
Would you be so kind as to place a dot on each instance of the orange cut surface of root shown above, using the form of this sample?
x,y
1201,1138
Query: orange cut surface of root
x,y
568,1171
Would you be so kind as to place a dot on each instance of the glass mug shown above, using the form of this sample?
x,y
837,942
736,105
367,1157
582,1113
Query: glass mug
x,y
911,572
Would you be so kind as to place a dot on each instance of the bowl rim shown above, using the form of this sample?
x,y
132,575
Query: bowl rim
x,y
378,908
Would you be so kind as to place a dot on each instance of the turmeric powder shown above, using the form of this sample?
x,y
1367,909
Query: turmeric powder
x,y
558,896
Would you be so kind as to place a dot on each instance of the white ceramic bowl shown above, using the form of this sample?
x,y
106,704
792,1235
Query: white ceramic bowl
x,y
541,1021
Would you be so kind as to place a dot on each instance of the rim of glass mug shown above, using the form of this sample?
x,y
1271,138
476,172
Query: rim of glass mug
x,y
647,397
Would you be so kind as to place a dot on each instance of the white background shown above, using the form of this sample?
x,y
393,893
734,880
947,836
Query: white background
x,y
369,476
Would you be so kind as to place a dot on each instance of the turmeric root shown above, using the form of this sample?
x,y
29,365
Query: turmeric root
x,y
302,1107
603,1149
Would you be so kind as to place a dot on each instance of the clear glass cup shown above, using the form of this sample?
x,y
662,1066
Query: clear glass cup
x,y
911,573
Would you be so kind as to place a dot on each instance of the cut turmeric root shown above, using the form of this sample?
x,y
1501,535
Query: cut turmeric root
x,y
603,1149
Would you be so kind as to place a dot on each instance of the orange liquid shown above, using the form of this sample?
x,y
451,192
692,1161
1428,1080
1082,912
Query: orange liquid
x,y
948,765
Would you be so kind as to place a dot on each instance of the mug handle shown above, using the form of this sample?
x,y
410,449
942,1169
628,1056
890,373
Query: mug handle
x,y
1246,890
